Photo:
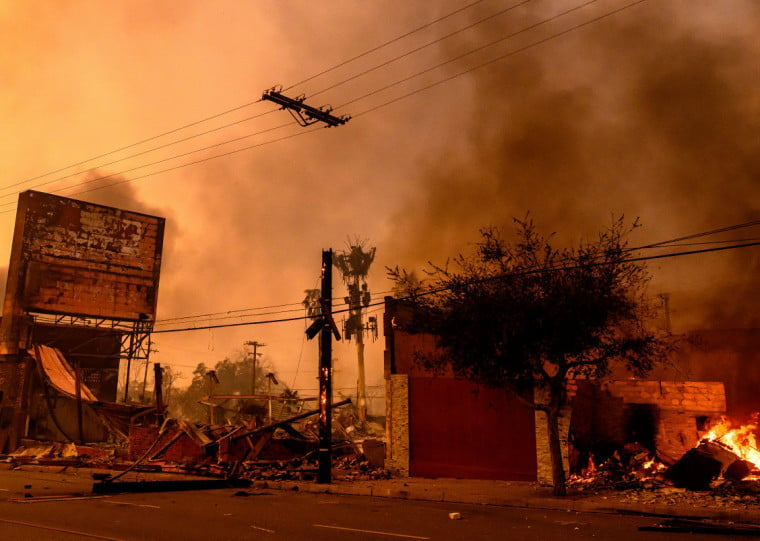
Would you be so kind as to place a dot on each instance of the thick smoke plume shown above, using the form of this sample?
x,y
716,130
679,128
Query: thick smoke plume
x,y
652,113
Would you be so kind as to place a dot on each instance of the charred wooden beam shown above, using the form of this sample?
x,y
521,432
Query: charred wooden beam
x,y
698,467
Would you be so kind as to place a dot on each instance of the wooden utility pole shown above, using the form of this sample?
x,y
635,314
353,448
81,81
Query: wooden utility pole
x,y
158,384
325,372
256,345
324,326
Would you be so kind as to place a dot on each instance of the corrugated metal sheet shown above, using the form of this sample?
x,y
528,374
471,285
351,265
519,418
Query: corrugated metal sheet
x,y
59,373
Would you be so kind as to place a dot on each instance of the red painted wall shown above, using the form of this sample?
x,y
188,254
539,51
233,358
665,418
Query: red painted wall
x,y
460,429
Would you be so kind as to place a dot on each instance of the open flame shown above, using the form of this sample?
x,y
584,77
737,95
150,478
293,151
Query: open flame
x,y
740,440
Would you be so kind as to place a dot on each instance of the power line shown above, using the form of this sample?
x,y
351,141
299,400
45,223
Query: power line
x,y
725,229
385,44
339,300
421,47
220,114
481,280
488,62
132,145
73,187
180,166
148,151
163,160
229,312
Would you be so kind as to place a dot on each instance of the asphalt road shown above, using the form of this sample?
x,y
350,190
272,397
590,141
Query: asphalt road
x,y
59,508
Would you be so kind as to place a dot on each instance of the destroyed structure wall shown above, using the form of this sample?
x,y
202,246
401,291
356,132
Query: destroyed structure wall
x,y
677,411
72,263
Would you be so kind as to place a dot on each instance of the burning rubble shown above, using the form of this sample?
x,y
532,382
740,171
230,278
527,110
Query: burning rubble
x,y
725,461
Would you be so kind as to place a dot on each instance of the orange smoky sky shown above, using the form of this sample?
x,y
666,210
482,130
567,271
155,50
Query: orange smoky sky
x,y
650,112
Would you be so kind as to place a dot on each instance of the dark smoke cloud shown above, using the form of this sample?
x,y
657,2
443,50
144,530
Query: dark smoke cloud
x,y
643,114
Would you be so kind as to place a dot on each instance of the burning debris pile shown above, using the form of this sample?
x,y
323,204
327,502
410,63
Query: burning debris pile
x,y
724,452
632,467
725,460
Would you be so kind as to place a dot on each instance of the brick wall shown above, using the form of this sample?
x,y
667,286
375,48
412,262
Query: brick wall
x,y
680,405
676,408
397,424
543,455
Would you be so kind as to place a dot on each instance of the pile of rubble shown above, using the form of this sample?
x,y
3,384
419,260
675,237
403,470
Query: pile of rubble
x,y
709,476
282,450
633,467
67,454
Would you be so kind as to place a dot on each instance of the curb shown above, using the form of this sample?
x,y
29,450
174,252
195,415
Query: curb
x,y
743,516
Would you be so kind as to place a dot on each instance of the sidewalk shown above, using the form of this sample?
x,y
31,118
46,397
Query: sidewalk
x,y
520,494
51,481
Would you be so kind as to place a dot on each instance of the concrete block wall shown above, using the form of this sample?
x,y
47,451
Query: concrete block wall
x,y
680,404
397,424
690,396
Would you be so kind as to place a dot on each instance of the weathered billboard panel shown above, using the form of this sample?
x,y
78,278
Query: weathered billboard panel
x,y
77,258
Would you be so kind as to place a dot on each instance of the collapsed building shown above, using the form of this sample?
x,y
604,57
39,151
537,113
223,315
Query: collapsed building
x,y
80,298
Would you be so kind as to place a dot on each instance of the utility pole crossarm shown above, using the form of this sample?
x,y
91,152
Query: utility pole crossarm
x,y
305,115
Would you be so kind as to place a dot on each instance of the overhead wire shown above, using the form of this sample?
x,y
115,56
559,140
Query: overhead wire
x,y
92,181
154,149
434,291
422,47
132,145
157,162
75,188
173,168
222,113
374,297
485,63
385,44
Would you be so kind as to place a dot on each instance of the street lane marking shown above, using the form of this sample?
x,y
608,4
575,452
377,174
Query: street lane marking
x,y
262,529
51,528
371,531
133,504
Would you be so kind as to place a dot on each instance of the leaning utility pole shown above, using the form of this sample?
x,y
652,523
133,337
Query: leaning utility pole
x,y
326,328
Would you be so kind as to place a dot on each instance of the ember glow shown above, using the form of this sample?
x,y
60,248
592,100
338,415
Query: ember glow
x,y
740,440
